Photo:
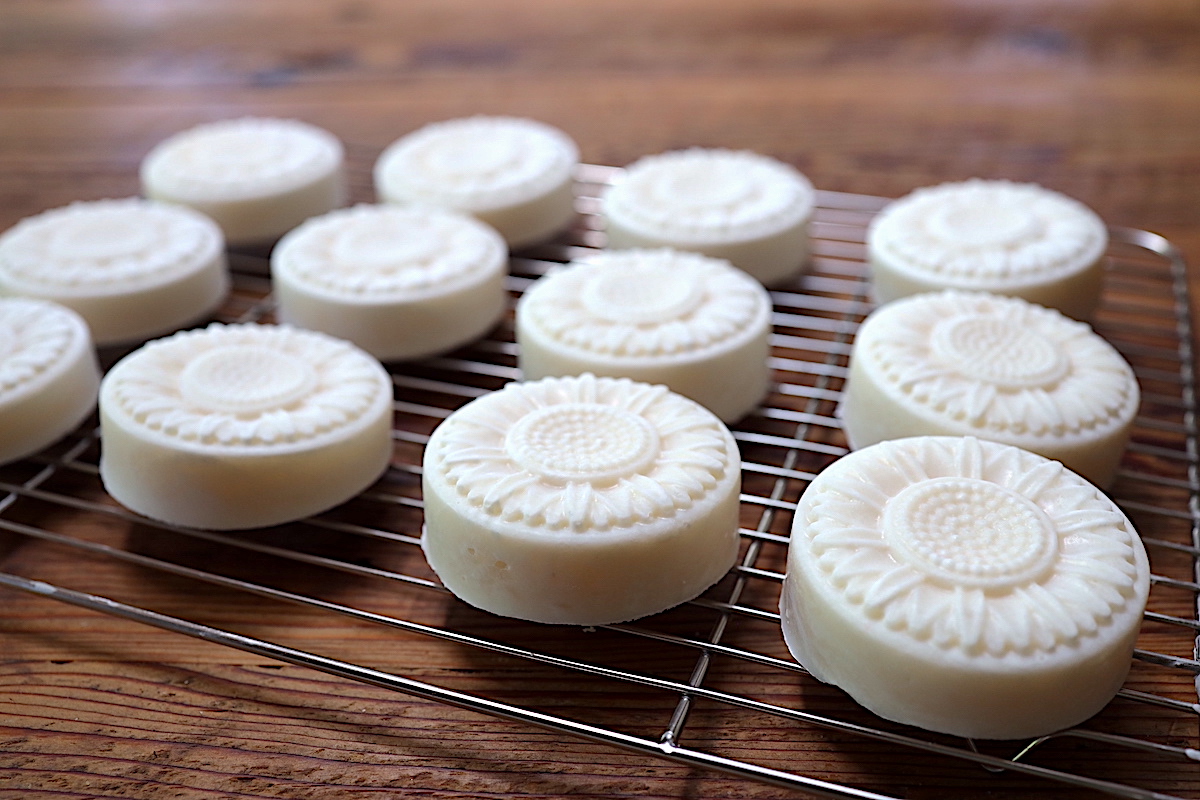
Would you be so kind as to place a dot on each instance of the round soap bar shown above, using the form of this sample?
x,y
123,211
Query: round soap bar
x,y
746,208
696,324
131,268
399,282
964,586
243,426
514,174
48,375
257,177
972,363
580,500
990,236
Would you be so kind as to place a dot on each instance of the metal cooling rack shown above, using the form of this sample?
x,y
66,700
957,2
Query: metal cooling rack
x,y
727,660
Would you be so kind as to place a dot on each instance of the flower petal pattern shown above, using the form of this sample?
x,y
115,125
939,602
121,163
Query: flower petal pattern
x,y
105,243
644,304
389,252
998,366
974,546
986,232
255,386
34,338
582,453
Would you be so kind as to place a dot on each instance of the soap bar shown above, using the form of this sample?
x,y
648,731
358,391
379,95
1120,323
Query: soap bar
x,y
243,426
514,174
1007,238
696,324
256,177
49,375
580,500
964,586
401,283
972,363
743,207
132,268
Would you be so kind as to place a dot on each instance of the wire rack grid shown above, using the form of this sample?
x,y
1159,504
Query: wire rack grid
x,y
716,664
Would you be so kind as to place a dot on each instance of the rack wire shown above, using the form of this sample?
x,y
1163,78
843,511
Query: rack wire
x,y
719,658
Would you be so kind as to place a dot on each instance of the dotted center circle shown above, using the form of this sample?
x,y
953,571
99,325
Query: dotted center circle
x,y
969,532
582,442
978,223
999,351
638,296
236,154
382,247
701,186
245,379
100,236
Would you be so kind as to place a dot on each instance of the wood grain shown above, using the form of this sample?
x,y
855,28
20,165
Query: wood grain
x,y
1100,100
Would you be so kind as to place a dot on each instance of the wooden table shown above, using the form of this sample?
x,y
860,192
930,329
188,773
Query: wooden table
x,y
1098,100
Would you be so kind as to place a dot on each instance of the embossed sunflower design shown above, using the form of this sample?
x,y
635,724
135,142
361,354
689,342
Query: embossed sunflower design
x,y
1000,364
989,230
479,162
583,453
711,194
107,242
246,386
245,156
647,303
971,546
368,251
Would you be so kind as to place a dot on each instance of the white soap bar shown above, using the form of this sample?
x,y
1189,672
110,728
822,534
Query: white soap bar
x,y
990,236
977,364
48,375
400,283
256,177
132,268
514,174
964,586
580,500
243,426
746,208
696,324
